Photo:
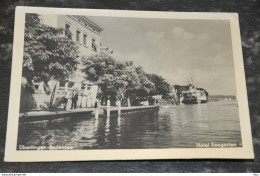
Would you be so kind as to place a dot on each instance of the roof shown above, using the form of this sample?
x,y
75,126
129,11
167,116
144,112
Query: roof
x,y
85,20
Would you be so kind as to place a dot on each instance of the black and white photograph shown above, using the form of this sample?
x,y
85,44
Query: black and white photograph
x,y
107,82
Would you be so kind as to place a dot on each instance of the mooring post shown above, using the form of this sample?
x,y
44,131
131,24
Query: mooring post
x,y
108,108
96,106
96,113
128,102
119,108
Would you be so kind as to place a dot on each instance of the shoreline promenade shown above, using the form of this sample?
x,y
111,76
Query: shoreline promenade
x,y
51,115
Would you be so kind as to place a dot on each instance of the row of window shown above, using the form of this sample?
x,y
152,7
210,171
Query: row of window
x,y
68,33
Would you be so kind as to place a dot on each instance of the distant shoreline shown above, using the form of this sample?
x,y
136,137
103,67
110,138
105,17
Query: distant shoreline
x,y
222,96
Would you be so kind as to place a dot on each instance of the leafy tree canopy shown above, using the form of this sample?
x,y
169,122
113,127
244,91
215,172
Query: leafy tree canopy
x,y
161,86
110,74
47,53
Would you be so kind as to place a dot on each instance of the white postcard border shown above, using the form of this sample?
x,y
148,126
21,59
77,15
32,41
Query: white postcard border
x,y
11,154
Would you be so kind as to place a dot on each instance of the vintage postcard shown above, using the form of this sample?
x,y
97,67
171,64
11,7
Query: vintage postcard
x,y
126,85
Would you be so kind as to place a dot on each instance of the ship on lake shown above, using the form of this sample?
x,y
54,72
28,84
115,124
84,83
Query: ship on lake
x,y
194,95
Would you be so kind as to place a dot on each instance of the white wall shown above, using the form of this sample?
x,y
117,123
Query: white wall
x,y
61,20
74,26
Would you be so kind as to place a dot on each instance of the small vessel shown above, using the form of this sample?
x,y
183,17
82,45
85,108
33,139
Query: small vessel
x,y
165,106
169,106
194,95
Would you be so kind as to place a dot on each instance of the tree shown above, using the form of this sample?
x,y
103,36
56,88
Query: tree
x,y
105,71
114,77
47,53
138,83
180,89
102,69
161,86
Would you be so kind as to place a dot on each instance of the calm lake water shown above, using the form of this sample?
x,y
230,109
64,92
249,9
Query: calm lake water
x,y
181,126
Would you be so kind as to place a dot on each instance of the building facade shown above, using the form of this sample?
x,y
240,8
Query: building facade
x,y
81,30
86,34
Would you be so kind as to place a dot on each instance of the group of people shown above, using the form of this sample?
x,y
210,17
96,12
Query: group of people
x,y
74,100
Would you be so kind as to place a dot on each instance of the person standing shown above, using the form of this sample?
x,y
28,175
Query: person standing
x,y
89,101
69,98
84,100
64,101
80,97
74,100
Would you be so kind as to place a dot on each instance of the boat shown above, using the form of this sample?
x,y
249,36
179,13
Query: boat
x,y
168,106
165,106
194,95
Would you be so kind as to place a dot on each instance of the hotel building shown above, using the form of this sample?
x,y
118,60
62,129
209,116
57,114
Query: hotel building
x,y
86,34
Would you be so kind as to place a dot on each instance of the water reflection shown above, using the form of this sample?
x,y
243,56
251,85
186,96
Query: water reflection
x,y
180,126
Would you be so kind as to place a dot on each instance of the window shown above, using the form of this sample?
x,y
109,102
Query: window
x,y
83,86
62,83
36,86
78,36
85,39
67,31
94,46
71,84
67,27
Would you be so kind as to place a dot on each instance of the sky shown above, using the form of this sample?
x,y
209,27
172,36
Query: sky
x,y
177,50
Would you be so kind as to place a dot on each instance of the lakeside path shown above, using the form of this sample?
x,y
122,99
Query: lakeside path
x,y
51,115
